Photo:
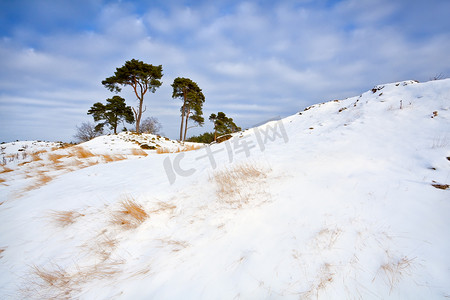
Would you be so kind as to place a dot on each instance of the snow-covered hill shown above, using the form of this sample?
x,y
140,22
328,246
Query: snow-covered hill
x,y
348,199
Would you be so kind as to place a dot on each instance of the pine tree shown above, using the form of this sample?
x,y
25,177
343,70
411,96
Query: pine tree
x,y
114,112
193,99
223,124
139,75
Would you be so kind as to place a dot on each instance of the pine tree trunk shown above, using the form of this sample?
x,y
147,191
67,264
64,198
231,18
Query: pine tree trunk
x,y
139,114
182,114
187,119
182,122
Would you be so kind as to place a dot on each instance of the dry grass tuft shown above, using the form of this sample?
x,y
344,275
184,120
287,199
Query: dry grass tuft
x,y
105,246
2,250
321,282
164,150
234,185
6,170
326,238
191,147
107,158
80,152
65,218
36,155
52,284
59,283
59,166
102,246
138,152
99,271
119,157
90,163
41,180
395,270
75,163
176,245
110,158
179,149
2,180
163,206
131,215
53,157
143,272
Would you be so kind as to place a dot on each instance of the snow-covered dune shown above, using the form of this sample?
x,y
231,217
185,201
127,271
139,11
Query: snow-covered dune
x,y
348,199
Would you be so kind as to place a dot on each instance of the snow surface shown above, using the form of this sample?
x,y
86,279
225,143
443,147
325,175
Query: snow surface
x,y
335,202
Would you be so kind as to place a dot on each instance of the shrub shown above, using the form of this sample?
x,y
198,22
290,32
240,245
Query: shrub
x,y
206,138
148,147
441,186
223,138
150,125
86,132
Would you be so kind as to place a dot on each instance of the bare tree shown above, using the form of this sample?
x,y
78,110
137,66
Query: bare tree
x,y
151,125
87,132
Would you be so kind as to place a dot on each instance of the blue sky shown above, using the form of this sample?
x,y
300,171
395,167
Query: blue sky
x,y
254,60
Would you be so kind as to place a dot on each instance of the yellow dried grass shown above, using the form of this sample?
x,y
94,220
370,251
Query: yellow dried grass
x,y
54,157
185,148
232,183
102,246
80,152
6,170
163,206
395,270
35,156
324,277
131,215
65,218
55,282
138,152
41,180
110,158
176,245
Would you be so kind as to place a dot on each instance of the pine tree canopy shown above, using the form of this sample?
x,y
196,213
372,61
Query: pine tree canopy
x,y
114,112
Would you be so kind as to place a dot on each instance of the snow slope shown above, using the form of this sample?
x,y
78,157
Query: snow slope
x,y
334,202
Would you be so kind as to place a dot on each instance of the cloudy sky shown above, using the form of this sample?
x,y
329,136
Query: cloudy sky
x,y
254,60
